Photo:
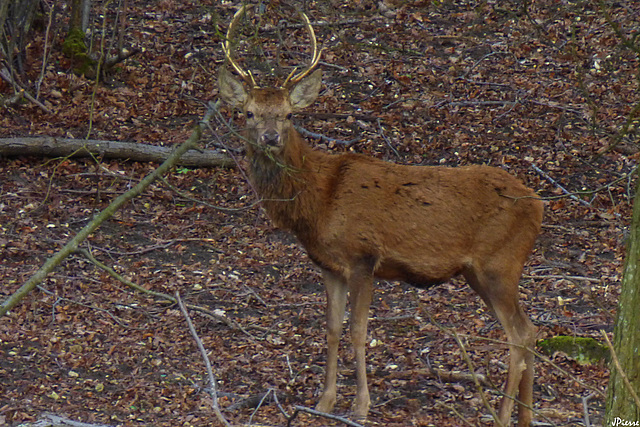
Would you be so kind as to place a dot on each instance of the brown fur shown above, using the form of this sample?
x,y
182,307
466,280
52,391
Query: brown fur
x,y
361,218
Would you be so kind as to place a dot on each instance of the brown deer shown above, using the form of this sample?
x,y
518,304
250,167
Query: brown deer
x,y
362,219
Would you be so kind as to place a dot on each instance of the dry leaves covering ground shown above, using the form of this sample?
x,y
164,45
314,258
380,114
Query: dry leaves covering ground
x,y
540,92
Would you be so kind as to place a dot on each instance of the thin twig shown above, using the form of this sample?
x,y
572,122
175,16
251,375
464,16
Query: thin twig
x,y
500,392
275,399
541,357
469,363
473,103
92,307
556,106
46,51
554,182
464,76
233,157
455,411
623,375
326,138
585,409
316,24
259,405
213,388
327,116
387,139
207,204
227,321
152,248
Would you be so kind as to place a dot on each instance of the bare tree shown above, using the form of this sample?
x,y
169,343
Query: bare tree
x,y
16,20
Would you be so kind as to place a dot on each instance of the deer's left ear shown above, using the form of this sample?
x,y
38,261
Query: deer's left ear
x,y
306,91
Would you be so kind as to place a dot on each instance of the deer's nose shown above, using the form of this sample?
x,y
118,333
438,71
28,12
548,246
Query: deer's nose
x,y
271,137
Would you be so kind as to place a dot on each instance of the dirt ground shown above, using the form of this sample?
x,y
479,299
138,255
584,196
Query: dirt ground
x,y
541,92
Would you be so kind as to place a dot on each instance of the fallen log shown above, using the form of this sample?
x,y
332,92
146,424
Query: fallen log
x,y
47,146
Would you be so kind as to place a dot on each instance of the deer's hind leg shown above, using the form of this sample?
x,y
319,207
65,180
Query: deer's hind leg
x,y
497,285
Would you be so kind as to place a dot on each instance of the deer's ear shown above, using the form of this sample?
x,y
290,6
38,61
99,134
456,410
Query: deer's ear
x,y
306,91
231,90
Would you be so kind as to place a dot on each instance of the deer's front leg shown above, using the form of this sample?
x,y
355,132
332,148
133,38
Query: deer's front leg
x,y
336,289
361,290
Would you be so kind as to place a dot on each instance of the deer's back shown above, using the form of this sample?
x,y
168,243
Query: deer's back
x,y
423,224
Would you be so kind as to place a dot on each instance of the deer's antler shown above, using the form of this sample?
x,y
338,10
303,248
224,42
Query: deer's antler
x,y
226,47
291,81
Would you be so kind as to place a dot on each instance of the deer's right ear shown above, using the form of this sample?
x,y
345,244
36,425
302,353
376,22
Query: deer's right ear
x,y
231,90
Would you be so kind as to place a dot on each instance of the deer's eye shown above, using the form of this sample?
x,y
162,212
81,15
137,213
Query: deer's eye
x,y
289,116
249,115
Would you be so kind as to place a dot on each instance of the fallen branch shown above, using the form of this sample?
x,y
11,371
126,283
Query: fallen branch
x,y
120,57
6,76
66,147
51,420
442,375
483,103
299,409
107,213
252,401
213,388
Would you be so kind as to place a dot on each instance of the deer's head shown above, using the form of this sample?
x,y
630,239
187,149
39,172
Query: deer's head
x,y
268,111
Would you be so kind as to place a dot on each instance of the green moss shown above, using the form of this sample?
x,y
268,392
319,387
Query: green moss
x,y
74,43
76,50
585,351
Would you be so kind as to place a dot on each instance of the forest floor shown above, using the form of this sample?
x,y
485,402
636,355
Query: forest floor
x,y
540,92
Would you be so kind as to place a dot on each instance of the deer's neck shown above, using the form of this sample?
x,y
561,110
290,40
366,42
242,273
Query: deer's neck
x,y
295,185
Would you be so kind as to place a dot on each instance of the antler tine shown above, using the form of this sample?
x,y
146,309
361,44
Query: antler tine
x,y
226,47
314,60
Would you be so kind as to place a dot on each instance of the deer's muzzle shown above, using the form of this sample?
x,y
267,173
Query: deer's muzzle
x,y
271,138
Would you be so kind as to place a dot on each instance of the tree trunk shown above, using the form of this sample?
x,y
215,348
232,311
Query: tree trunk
x,y
16,17
74,44
621,405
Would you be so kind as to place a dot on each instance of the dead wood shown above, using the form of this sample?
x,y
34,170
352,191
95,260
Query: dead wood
x,y
441,375
72,246
213,384
66,147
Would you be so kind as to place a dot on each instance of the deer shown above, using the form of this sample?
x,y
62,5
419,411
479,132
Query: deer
x,y
362,219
